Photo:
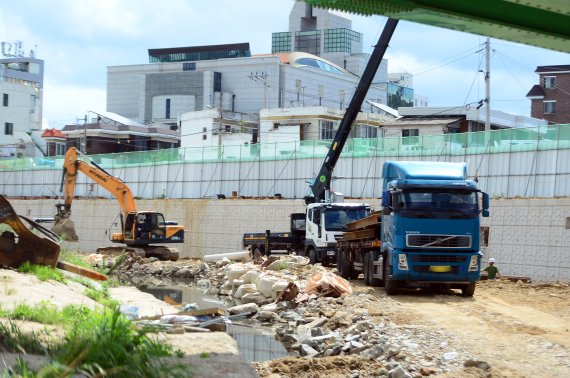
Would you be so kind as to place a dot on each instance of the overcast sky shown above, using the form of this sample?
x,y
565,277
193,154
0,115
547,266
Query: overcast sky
x,y
79,39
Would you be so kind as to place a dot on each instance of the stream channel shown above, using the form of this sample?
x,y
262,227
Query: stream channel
x,y
255,343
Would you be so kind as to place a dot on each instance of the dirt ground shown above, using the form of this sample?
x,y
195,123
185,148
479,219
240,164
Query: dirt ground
x,y
517,329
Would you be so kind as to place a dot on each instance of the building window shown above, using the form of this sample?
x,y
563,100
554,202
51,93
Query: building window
x,y
167,115
326,129
341,40
204,137
550,82
549,107
410,136
8,128
189,66
280,42
308,41
5,99
60,149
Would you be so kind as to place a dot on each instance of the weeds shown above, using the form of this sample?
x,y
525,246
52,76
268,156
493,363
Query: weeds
x,y
96,344
44,312
14,340
101,296
43,272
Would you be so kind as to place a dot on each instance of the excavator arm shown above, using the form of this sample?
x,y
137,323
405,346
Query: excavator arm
x,y
139,229
72,165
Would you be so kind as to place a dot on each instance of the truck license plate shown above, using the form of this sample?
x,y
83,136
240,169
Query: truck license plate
x,y
330,253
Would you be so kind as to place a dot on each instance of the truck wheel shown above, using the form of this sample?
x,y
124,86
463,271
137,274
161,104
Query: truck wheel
x,y
370,267
390,285
365,268
312,256
343,264
468,290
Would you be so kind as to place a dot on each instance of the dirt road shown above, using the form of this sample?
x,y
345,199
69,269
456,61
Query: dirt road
x,y
518,329
521,327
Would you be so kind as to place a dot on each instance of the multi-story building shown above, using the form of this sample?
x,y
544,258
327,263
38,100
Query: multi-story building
x,y
550,100
21,88
160,92
325,33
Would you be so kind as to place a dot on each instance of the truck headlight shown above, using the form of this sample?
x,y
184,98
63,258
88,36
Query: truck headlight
x,y
402,262
474,263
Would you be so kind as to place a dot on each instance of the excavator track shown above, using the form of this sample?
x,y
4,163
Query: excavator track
x,y
158,251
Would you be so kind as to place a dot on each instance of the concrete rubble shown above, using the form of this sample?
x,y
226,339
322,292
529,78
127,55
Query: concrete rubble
x,y
313,325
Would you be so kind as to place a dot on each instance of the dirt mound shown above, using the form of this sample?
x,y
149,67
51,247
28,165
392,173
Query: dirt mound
x,y
337,366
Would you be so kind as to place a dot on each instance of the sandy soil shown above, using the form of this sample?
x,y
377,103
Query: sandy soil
x,y
518,329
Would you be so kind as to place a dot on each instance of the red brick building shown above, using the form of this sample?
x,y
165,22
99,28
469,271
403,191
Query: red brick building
x,y
550,100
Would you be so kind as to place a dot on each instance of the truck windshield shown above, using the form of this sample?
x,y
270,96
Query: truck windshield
x,y
336,219
450,203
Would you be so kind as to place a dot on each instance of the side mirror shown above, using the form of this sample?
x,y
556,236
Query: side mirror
x,y
485,210
485,200
386,199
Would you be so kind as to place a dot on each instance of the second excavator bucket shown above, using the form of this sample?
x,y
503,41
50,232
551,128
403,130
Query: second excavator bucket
x,y
65,229
63,226
18,244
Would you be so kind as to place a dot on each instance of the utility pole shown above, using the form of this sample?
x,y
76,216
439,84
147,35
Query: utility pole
x,y
488,84
84,135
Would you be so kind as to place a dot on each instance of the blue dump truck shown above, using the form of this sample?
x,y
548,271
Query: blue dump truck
x,y
426,234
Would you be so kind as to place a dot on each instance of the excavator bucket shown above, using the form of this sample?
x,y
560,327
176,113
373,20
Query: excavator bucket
x,y
65,229
63,226
18,244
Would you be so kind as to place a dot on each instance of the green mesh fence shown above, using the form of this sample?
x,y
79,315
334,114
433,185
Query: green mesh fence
x,y
496,141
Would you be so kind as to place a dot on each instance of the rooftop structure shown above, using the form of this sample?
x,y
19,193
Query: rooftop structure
x,y
194,53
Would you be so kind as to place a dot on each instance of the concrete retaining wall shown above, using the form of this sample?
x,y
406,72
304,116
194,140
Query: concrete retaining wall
x,y
528,237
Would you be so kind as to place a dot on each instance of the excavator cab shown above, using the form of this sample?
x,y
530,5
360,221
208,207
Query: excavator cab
x,y
149,227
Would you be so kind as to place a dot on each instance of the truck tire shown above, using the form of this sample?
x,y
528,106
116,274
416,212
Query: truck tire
x,y
365,268
370,267
312,255
390,285
468,290
343,264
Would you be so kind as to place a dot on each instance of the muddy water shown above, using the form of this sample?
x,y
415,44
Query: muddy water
x,y
255,343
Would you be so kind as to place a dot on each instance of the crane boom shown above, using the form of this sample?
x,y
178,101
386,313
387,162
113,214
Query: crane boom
x,y
322,182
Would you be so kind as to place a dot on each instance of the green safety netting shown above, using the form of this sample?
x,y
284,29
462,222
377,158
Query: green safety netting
x,y
490,142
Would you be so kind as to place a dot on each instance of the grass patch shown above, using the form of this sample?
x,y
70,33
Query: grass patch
x,y
45,313
100,343
43,272
101,296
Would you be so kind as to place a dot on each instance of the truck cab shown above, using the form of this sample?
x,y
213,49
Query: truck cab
x,y
430,225
325,224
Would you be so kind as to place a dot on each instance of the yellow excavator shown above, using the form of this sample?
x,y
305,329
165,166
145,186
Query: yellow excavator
x,y
140,230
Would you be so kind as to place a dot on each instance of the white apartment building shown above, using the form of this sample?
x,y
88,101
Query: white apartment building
x,y
21,91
